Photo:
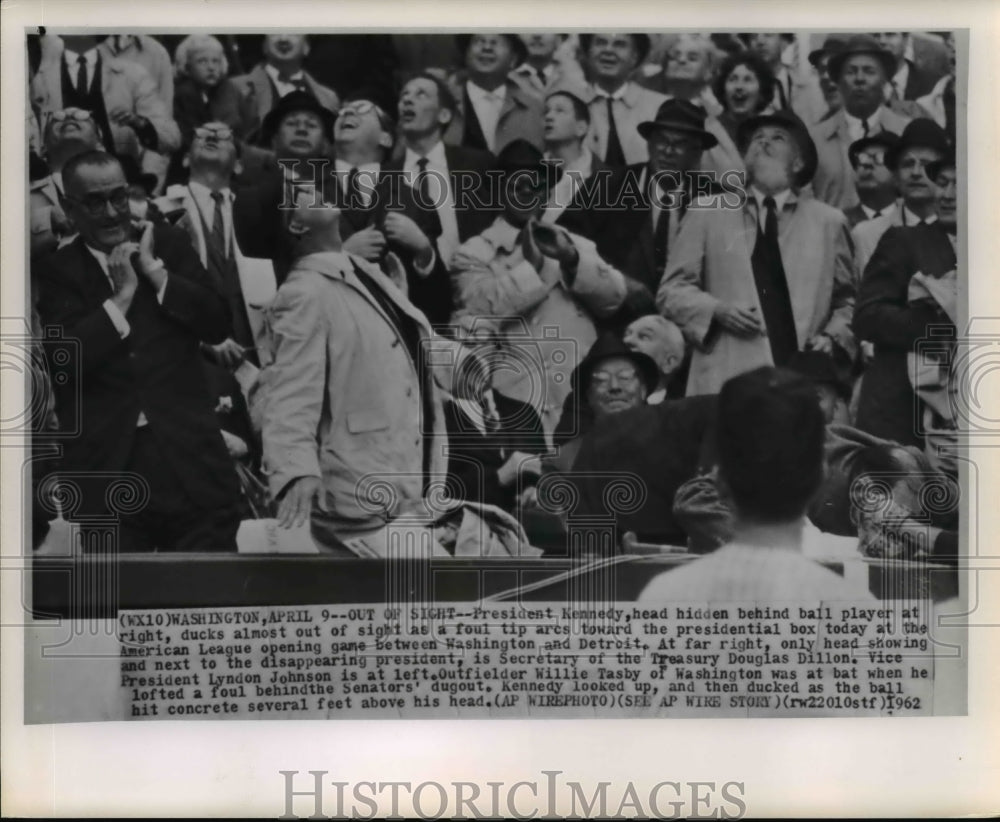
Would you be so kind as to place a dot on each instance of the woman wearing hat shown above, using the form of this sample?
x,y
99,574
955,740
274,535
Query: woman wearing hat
x,y
744,86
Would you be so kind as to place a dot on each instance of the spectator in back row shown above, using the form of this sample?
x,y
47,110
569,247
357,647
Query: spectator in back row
x,y
873,180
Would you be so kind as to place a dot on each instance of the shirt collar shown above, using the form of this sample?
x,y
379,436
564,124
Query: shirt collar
x,y
435,157
72,57
582,164
479,93
909,218
870,212
57,181
617,94
326,261
345,168
101,257
855,122
276,76
779,199
502,234
119,42
203,191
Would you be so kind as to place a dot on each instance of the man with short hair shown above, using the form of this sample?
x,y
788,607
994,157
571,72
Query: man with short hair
x,y
908,81
133,385
828,100
493,106
860,70
769,438
68,133
753,285
922,142
543,69
873,180
617,104
281,73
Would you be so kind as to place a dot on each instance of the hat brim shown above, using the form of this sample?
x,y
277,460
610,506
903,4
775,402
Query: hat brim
x,y
807,148
884,139
837,60
647,366
274,117
649,127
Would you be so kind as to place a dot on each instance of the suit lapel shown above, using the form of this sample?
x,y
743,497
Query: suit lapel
x,y
94,280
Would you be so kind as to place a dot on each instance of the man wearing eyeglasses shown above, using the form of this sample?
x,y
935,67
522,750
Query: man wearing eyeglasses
x,y
68,132
872,179
137,303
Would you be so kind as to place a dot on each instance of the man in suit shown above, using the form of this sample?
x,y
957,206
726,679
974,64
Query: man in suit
x,y
921,142
130,114
494,107
860,70
493,440
652,203
544,68
451,183
68,133
538,280
204,208
908,81
751,286
134,383
939,102
873,180
828,102
885,315
281,73
348,395
618,105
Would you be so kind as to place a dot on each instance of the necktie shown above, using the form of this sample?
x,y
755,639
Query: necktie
x,y
864,128
661,239
541,78
782,94
354,198
218,235
423,184
876,213
772,288
81,74
614,155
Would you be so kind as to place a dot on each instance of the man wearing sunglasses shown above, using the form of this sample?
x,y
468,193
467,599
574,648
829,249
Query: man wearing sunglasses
x,y
69,132
136,303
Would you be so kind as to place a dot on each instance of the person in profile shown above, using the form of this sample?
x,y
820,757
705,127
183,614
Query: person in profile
x,y
769,442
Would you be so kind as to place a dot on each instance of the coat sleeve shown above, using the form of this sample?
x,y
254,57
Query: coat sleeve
x,y
295,384
599,286
191,298
681,296
838,327
883,315
485,287
148,103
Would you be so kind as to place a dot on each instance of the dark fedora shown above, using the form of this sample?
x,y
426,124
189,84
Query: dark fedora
x,y
610,345
861,44
291,103
920,133
884,139
643,44
935,168
788,121
516,43
521,156
831,45
679,115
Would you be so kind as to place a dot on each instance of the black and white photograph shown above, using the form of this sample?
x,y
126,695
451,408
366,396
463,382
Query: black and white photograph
x,y
523,376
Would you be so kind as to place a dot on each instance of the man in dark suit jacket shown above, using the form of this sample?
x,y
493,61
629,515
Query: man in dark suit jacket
x,y
887,406
493,439
909,81
651,200
131,377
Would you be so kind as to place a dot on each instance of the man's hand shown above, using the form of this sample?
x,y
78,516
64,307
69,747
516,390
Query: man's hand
x,y
529,248
743,322
822,343
236,446
369,243
296,502
121,117
555,242
229,353
401,230
149,266
123,277
518,463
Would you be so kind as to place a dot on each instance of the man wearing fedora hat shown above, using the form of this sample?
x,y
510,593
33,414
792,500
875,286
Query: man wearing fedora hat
x,y
888,316
860,70
873,180
751,286
542,284
637,239
922,142
494,106
617,104
831,101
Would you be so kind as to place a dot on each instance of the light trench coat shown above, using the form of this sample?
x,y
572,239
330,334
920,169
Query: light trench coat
x,y
709,263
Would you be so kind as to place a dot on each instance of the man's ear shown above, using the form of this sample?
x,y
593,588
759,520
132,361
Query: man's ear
x,y
186,161
445,116
237,167
581,129
385,140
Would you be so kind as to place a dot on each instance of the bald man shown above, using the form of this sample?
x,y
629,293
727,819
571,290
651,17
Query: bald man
x,y
660,339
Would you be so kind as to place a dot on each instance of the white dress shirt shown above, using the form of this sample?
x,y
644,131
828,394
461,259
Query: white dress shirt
x,y
573,176
474,411
487,105
72,64
779,203
367,178
898,82
284,87
202,196
439,189
856,126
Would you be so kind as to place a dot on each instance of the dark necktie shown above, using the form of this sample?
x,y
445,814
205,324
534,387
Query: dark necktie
x,y
423,186
661,240
865,129
541,77
218,234
772,288
614,156
81,74
782,94
354,198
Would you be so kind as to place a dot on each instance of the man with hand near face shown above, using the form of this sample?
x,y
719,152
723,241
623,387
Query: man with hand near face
x,y
138,307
